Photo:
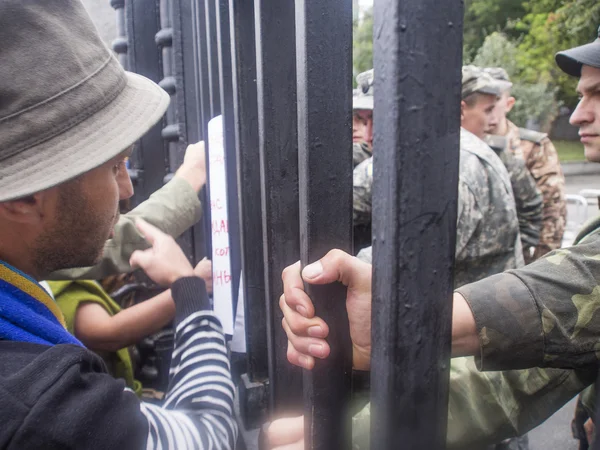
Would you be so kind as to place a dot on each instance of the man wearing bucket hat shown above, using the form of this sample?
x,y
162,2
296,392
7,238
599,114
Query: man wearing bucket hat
x,y
69,115
542,315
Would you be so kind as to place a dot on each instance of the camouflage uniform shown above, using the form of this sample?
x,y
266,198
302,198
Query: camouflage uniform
x,y
360,152
362,99
362,197
555,328
487,240
541,159
528,198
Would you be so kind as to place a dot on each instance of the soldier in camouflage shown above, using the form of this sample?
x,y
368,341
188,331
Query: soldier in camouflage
x,y
362,118
487,227
528,198
362,141
541,159
543,315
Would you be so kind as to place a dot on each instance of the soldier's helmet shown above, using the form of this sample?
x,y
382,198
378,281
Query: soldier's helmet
x,y
571,61
362,97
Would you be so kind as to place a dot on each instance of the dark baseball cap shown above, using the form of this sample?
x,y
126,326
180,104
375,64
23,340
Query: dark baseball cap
x,y
570,61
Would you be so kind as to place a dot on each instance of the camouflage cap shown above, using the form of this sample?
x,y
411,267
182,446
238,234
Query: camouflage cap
x,y
570,61
498,73
475,79
362,97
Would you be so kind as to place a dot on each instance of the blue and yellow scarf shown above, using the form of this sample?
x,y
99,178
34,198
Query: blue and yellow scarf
x,y
28,313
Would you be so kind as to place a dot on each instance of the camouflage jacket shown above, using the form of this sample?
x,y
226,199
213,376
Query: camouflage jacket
x,y
541,159
543,314
538,315
360,152
528,198
487,407
487,240
362,188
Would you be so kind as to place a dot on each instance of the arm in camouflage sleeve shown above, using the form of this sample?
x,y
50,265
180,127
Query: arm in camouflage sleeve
x,y
542,315
528,200
487,407
173,209
544,165
362,188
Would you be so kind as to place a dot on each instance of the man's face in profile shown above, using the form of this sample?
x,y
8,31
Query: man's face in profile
x,y
362,126
85,211
587,114
479,117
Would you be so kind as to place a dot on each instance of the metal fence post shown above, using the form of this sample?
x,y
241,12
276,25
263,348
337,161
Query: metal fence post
x,y
278,144
253,386
148,161
324,71
418,58
119,44
226,96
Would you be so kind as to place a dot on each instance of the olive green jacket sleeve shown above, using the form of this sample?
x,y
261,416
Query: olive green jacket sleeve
x,y
173,208
543,315
487,407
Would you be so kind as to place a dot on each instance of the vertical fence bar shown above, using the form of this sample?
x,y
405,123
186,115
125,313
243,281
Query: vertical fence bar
x,y
212,57
253,386
278,145
202,103
188,113
164,41
143,57
119,44
324,70
175,40
226,98
418,57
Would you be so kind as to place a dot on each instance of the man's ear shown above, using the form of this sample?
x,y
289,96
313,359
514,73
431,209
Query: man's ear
x,y
26,210
510,102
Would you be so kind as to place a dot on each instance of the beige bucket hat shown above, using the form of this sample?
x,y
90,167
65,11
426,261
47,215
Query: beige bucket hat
x,y
66,105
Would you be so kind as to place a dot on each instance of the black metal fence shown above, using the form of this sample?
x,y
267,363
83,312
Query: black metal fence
x,y
280,74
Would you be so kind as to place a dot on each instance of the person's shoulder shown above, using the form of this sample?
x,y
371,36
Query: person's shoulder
x,y
536,137
364,170
64,391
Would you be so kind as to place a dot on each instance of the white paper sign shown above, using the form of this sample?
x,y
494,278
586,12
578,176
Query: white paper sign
x,y
221,261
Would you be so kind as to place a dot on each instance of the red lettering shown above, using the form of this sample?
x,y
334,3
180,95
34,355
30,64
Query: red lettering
x,y
222,251
221,278
220,226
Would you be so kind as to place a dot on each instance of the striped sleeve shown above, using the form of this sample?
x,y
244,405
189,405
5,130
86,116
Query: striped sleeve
x,y
198,409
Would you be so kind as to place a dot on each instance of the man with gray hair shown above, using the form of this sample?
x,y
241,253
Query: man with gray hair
x,y
69,116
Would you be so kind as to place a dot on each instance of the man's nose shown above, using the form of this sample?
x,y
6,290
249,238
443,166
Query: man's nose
x,y
124,183
583,114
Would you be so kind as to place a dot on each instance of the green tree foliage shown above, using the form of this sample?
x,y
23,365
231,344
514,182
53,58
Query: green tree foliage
x,y
535,100
483,17
363,43
548,27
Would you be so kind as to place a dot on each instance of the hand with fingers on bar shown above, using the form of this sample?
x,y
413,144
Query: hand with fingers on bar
x,y
307,332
